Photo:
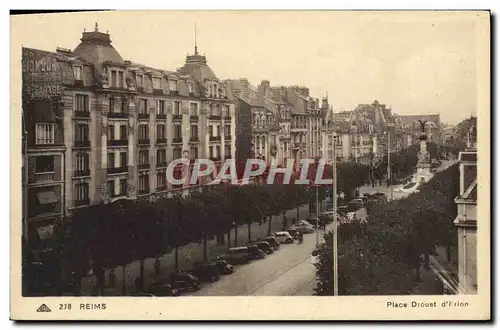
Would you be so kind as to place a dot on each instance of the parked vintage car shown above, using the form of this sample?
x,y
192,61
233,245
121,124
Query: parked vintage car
x,y
206,272
272,241
264,246
163,289
184,281
283,237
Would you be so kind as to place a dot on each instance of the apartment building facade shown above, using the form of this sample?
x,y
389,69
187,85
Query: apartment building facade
x,y
106,129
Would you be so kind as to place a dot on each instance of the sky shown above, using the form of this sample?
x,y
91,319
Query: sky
x,y
416,62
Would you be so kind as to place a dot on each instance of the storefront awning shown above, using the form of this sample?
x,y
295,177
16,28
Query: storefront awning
x,y
47,197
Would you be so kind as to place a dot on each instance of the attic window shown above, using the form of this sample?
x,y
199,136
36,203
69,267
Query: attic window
x,y
190,86
157,83
139,80
172,85
77,72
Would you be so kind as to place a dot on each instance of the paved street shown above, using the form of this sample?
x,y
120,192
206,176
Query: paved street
x,y
287,271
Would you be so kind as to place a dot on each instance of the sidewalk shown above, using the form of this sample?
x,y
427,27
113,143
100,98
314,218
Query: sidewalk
x,y
439,278
188,255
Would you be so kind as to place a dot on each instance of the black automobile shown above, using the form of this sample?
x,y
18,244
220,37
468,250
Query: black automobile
x,y
163,289
206,272
264,246
342,209
273,242
254,253
314,221
183,282
293,232
225,268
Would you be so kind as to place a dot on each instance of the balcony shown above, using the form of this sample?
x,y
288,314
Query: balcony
x,y
116,170
140,89
215,139
117,114
144,166
82,144
143,115
81,202
174,93
144,191
144,142
117,143
80,173
82,114
161,188
157,91
78,83
227,137
161,116
176,140
215,159
161,141
299,145
227,117
161,164
44,177
176,117
194,118
194,139
215,117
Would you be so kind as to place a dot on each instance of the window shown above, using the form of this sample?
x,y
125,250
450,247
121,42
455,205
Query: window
x,y
143,157
177,153
112,104
193,109
111,132
227,150
212,130
81,162
190,87
143,132
81,132
177,132
227,130
143,106
44,164
77,72
161,180
217,151
157,83
193,152
120,79
226,111
144,183
161,156
160,132
123,186
111,160
45,134
124,105
194,131
113,78
211,151
177,108
111,188
218,130
160,107
123,159
139,80
123,132
82,103
81,193
172,85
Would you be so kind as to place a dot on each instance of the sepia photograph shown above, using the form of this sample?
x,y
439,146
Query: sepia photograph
x,y
185,156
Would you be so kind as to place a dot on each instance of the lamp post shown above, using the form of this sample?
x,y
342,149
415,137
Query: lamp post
x,y
334,204
389,171
317,216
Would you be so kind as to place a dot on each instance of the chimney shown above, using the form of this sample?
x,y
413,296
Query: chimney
x,y
264,87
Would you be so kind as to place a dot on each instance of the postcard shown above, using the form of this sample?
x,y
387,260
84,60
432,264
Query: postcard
x,y
250,165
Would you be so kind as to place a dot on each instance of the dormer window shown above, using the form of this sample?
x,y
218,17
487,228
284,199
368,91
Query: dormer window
x,y
190,87
77,72
117,78
157,83
172,85
139,78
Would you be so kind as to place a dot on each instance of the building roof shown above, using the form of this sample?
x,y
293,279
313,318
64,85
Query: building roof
x,y
410,120
196,66
96,48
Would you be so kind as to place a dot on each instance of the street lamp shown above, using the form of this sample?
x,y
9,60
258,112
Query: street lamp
x,y
389,171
